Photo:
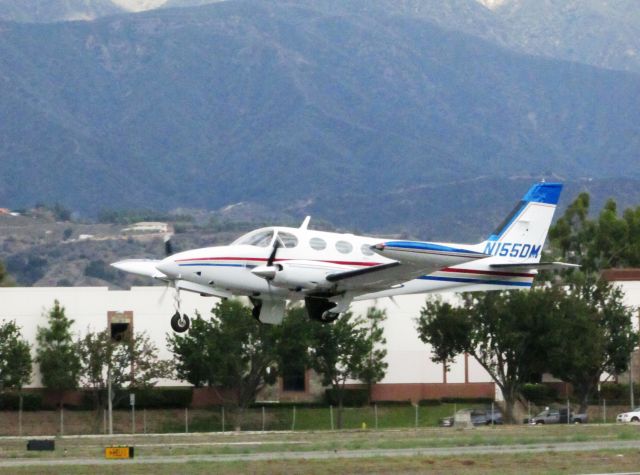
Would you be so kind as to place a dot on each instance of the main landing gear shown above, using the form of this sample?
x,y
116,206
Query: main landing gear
x,y
320,309
179,322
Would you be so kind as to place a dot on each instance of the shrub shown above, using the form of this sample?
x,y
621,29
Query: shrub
x,y
11,401
352,397
157,398
617,392
429,402
539,393
470,400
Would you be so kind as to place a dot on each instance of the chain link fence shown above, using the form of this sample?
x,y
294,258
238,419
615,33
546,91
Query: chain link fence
x,y
220,419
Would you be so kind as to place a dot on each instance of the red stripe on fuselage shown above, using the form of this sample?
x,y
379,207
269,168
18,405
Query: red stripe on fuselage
x,y
264,259
486,272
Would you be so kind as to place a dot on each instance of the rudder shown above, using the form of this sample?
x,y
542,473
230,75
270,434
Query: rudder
x,y
522,234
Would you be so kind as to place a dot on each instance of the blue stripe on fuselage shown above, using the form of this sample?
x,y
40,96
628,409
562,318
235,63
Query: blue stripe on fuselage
x,y
475,281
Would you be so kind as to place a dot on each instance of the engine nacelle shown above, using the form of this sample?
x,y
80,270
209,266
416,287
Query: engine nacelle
x,y
301,275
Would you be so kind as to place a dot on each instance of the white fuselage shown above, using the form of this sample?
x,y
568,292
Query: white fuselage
x,y
306,257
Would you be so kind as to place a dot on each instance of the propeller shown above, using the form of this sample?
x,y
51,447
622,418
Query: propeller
x,y
268,272
168,247
272,257
168,251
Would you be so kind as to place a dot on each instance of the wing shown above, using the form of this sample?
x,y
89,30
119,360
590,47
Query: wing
x,y
411,260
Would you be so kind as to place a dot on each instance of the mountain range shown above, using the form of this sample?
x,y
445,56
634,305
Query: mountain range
x,y
368,113
597,32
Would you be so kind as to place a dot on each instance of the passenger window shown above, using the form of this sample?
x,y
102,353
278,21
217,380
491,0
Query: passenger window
x,y
366,250
344,247
287,240
317,243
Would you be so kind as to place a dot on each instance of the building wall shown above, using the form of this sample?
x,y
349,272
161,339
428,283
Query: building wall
x,y
408,358
88,307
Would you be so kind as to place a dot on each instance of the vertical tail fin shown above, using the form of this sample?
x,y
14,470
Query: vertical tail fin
x,y
520,237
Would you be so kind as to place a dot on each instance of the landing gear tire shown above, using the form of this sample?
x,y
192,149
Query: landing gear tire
x,y
328,317
180,323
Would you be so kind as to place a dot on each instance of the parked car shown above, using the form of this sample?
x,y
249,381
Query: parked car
x,y
557,416
479,417
631,416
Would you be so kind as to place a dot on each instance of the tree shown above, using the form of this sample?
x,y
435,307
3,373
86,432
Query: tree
x,y
5,279
346,349
133,362
594,317
504,331
57,353
230,351
294,337
15,357
609,241
593,334
375,366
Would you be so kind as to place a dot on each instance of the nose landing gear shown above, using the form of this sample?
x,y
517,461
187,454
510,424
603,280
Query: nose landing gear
x,y
179,322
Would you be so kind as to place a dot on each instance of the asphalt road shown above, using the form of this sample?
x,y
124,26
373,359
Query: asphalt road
x,y
333,454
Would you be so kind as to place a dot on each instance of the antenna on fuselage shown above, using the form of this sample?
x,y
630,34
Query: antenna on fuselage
x,y
305,223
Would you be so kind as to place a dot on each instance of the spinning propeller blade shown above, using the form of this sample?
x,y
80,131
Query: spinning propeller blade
x,y
168,247
272,257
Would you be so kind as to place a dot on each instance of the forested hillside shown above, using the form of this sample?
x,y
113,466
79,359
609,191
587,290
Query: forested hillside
x,y
296,106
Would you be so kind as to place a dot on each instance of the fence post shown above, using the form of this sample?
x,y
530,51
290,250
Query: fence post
x,y
104,421
61,419
293,423
492,416
417,406
222,418
568,413
144,420
263,419
186,420
331,415
375,414
604,411
20,416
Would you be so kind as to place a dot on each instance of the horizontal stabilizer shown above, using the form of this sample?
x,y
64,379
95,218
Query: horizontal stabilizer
x,y
536,266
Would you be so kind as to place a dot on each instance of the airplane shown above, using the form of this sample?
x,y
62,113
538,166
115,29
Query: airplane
x,y
329,270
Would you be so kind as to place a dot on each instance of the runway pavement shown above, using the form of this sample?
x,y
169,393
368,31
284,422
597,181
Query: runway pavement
x,y
333,454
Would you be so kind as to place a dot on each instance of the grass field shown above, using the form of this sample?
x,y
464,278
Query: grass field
x,y
346,451
211,420
626,461
271,418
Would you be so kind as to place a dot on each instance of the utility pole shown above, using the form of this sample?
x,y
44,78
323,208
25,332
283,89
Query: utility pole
x,y
109,400
631,398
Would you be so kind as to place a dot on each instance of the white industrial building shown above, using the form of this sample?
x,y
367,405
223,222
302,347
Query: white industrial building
x,y
411,374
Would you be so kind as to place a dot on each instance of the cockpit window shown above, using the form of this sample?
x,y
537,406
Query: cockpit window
x,y
261,239
287,240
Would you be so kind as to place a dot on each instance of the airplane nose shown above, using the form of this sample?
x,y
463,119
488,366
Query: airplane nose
x,y
169,267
